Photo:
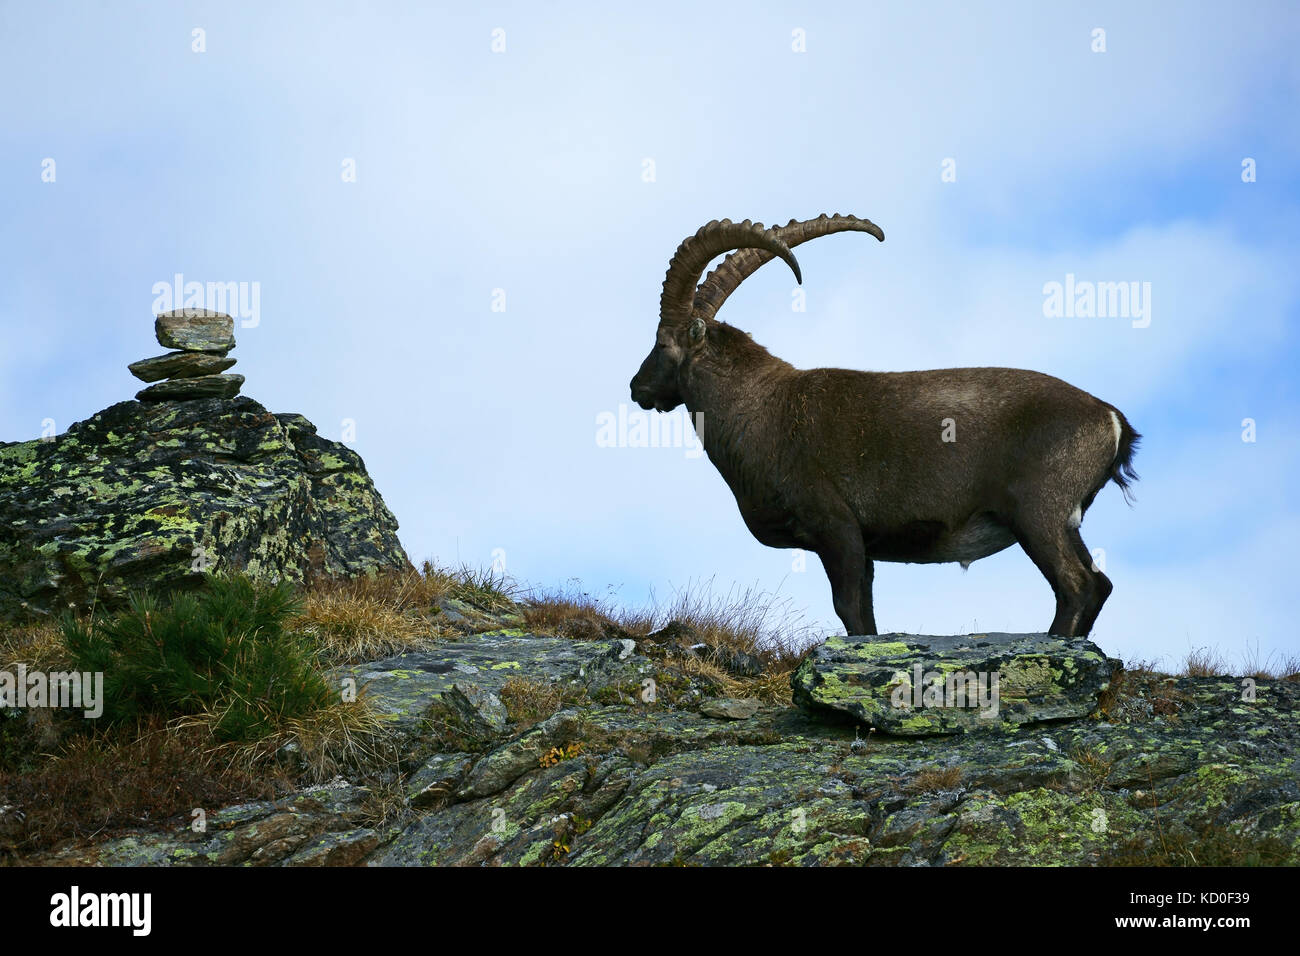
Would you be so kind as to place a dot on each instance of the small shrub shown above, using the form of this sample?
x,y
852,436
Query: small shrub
x,y
223,651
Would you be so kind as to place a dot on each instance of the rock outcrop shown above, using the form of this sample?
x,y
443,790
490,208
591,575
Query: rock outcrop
x,y
153,495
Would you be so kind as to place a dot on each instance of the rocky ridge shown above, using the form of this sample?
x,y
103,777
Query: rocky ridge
x,y
634,762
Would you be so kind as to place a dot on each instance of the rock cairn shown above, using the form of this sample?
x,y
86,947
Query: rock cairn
x,y
201,339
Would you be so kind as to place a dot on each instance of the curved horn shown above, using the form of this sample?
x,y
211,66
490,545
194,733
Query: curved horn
x,y
739,266
688,262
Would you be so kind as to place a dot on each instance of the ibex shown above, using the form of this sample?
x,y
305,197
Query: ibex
x,y
858,467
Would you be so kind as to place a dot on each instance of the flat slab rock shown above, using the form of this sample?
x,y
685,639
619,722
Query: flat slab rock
x,y
188,389
913,685
180,365
195,330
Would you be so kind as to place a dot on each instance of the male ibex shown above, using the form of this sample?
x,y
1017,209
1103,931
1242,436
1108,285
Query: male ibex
x,y
865,466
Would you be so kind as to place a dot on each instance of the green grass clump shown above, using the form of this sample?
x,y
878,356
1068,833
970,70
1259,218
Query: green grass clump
x,y
224,652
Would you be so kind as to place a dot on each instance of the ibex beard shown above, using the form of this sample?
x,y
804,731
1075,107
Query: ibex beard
x,y
859,467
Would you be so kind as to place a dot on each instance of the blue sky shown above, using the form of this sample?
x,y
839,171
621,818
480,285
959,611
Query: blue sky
x,y
524,171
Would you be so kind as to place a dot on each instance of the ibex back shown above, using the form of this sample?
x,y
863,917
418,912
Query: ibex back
x,y
857,467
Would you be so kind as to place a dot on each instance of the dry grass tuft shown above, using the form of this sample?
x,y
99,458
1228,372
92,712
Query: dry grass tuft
x,y
749,621
1203,662
355,620
482,587
773,686
39,645
104,782
1209,662
746,621
343,738
1270,668
1093,764
934,779
574,616
528,701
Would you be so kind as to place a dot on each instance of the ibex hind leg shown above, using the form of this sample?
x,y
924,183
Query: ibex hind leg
x,y
1059,553
1101,586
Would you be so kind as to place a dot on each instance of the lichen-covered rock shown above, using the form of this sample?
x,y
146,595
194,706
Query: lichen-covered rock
x,y
913,685
195,330
478,708
154,495
191,389
180,365
437,778
1224,774
507,763
402,688
318,826
731,708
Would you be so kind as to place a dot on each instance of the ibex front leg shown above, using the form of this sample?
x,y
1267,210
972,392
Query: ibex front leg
x,y
865,600
850,574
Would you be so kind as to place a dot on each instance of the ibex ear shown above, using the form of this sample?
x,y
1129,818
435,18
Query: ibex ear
x,y
696,331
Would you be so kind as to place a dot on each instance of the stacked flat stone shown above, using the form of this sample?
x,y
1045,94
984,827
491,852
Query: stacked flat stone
x,y
201,339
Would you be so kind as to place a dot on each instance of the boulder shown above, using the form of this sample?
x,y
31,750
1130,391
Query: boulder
x,y
913,685
155,495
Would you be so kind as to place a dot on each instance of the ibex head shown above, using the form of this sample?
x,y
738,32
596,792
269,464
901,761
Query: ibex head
x,y
686,313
